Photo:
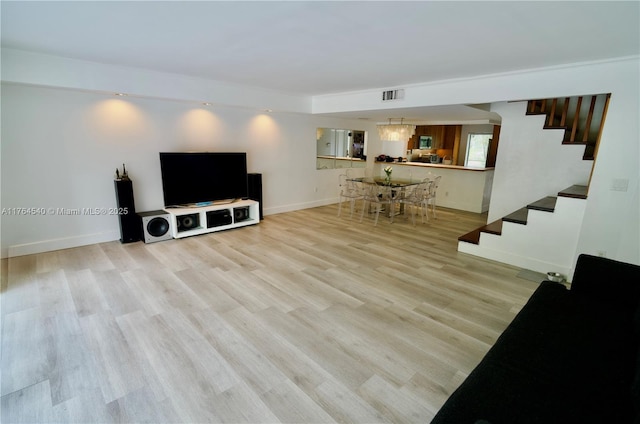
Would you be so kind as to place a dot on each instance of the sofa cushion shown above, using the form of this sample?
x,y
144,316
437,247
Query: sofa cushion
x,y
635,389
563,359
562,335
607,280
506,395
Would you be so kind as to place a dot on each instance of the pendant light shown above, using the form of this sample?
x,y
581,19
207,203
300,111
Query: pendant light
x,y
396,132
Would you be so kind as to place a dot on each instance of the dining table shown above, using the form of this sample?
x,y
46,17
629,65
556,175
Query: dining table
x,y
395,183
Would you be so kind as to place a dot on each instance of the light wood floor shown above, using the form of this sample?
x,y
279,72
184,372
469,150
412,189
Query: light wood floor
x,y
304,318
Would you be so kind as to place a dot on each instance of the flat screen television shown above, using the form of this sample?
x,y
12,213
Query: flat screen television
x,y
198,178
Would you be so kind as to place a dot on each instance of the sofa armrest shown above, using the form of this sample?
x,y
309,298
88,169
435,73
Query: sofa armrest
x,y
607,280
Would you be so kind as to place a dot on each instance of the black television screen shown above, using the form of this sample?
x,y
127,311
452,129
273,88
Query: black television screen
x,y
202,177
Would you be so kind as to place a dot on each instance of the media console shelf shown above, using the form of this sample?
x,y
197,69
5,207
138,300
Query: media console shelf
x,y
187,222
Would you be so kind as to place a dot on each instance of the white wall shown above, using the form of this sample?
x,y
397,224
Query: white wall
x,y
532,162
611,219
60,149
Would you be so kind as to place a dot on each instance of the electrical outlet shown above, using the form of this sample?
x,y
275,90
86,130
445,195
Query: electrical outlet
x,y
602,253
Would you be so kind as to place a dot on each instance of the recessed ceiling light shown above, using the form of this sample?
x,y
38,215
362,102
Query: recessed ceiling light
x,y
268,110
206,104
121,94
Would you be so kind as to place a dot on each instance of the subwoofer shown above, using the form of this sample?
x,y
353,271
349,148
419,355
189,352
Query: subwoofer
x,y
156,226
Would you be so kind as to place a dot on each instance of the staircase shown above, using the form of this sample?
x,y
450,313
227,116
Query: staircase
x,y
581,118
546,204
543,235
540,236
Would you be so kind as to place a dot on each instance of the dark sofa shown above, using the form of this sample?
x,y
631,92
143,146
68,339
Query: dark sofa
x,y
569,356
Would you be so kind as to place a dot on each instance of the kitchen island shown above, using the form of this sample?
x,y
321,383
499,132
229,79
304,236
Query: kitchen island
x,y
464,188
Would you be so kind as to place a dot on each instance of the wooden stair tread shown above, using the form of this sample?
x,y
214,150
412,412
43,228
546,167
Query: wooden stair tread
x,y
473,237
574,143
546,204
494,227
575,191
518,217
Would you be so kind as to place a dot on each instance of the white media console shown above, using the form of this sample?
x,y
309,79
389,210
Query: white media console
x,y
193,221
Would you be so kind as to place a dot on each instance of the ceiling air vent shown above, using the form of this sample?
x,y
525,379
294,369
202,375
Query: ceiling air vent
x,y
392,95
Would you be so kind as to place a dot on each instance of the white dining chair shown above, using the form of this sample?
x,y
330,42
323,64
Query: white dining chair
x,y
431,198
416,200
379,197
349,190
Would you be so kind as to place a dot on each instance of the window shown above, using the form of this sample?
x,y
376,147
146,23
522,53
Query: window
x,y
477,147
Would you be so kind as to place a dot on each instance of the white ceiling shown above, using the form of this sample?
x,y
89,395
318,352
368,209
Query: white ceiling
x,y
320,47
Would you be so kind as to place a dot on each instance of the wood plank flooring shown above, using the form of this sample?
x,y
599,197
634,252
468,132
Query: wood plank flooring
x,y
305,318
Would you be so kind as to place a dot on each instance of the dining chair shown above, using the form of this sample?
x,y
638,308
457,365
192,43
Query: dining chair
x,y
416,200
431,199
379,197
349,190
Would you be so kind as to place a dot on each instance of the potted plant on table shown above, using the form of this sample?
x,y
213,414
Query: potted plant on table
x,y
387,179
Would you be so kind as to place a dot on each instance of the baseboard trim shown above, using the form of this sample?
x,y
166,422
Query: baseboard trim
x,y
298,206
515,260
58,244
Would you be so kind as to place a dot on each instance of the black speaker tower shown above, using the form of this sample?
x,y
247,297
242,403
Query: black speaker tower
x,y
255,190
129,222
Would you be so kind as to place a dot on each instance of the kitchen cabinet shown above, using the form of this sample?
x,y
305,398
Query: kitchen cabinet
x,y
445,139
443,136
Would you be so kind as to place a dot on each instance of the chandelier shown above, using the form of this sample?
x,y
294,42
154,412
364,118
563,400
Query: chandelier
x,y
396,132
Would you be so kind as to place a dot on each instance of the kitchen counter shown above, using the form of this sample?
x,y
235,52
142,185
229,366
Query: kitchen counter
x,y
436,165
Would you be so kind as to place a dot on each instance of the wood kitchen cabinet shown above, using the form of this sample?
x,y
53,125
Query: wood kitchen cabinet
x,y
445,139
444,136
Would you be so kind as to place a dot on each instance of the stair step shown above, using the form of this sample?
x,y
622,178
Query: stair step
x,y
494,227
589,152
546,204
575,191
576,143
474,236
518,217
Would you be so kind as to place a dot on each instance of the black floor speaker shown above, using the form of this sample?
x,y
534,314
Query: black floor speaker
x,y
255,190
127,218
